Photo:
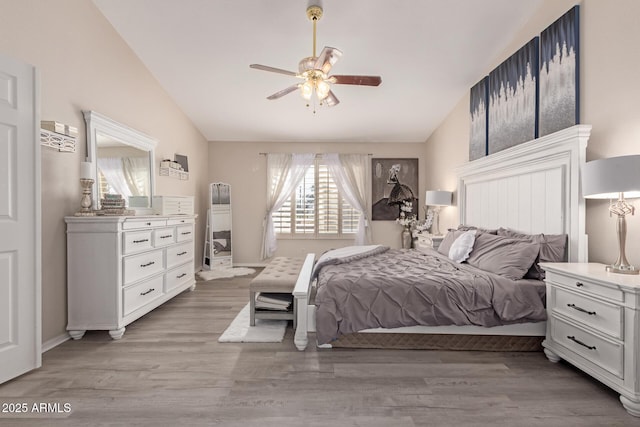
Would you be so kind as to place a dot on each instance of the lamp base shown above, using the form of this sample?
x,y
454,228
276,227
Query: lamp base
x,y
622,269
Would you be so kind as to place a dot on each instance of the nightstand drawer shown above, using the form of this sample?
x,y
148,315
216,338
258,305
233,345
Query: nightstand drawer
x,y
604,317
587,286
606,354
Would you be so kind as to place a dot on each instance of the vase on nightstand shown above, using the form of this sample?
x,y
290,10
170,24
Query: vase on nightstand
x,y
407,239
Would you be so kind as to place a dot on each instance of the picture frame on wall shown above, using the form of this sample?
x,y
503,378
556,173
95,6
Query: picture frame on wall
x,y
392,181
479,100
183,161
513,99
560,74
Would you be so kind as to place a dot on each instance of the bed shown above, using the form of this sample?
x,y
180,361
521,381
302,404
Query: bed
x,y
533,188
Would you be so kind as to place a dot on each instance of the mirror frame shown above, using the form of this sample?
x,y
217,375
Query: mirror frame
x,y
98,123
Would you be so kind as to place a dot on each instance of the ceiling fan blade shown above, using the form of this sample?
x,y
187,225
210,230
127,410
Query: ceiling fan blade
x,y
283,92
273,70
327,58
331,100
356,80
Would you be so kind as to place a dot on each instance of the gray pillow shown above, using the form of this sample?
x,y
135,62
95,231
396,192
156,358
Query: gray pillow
x,y
553,248
463,227
510,258
448,240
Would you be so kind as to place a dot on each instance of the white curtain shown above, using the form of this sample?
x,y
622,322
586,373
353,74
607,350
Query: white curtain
x,y
284,173
111,168
350,173
136,172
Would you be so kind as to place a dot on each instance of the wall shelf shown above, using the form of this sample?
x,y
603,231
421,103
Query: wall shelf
x,y
58,141
174,173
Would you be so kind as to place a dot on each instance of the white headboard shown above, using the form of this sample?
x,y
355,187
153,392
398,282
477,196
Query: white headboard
x,y
533,187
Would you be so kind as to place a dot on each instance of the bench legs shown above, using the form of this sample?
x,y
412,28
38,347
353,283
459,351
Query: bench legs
x,y
252,308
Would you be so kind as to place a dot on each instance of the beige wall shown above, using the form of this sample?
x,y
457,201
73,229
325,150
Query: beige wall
x,y
241,165
609,89
85,65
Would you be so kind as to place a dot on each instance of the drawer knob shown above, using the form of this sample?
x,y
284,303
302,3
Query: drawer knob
x,y
141,241
181,276
182,253
579,284
147,264
575,307
147,223
572,338
148,292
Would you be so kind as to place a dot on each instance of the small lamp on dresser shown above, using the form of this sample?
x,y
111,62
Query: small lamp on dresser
x,y
437,199
615,178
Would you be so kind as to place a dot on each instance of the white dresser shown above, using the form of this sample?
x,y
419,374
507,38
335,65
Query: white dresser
x,y
594,324
121,267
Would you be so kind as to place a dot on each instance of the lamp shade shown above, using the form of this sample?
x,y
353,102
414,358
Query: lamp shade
x,y
438,198
607,178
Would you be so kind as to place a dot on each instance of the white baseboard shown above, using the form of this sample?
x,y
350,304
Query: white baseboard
x,y
54,342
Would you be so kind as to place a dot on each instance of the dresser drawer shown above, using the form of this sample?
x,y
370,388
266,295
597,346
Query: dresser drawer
x,y
587,286
607,318
141,294
137,267
132,224
178,276
179,254
164,236
136,241
604,353
220,262
179,221
184,233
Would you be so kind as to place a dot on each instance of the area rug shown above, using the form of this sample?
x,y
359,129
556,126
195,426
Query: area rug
x,y
264,331
224,273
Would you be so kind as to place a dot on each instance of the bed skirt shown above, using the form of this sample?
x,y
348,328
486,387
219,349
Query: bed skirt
x,y
404,341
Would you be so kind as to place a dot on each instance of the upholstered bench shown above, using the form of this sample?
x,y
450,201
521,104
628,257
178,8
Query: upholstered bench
x,y
279,277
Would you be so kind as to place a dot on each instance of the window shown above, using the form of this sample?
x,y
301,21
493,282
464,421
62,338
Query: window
x,y
316,208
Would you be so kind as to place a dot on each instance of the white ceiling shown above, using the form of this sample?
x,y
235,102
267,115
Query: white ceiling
x,y
428,52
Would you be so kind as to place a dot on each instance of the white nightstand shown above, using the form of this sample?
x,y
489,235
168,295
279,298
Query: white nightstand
x,y
594,323
427,241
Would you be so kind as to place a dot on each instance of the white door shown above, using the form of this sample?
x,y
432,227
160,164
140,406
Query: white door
x,y
20,328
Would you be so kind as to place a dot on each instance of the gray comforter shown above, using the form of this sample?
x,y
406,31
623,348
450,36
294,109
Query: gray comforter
x,y
408,287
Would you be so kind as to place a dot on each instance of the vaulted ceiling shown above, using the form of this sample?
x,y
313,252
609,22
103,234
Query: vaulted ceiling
x,y
428,53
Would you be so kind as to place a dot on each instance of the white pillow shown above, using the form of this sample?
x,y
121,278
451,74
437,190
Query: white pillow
x,y
462,246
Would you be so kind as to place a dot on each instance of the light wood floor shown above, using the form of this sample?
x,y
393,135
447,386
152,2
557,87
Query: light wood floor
x,y
169,369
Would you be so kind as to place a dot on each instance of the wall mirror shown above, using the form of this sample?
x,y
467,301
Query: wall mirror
x,y
124,162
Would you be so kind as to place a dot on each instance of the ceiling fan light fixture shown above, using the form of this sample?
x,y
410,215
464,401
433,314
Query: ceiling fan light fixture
x,y
306,90
314,70
322,89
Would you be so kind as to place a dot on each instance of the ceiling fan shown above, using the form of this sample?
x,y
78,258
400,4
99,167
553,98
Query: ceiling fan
x,y
314,70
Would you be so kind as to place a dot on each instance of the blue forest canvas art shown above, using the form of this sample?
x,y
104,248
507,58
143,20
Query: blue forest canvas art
x,y
513,93
559,74
478,110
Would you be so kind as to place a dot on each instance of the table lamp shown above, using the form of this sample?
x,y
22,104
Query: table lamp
x,y
615,178
437,199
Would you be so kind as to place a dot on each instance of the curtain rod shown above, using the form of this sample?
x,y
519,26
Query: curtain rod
x,y
319,154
